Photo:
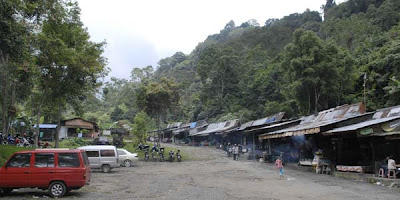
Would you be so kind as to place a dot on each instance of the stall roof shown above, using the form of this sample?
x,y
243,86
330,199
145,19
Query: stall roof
x,y
380,116
218,127
311,124
355,127
263,121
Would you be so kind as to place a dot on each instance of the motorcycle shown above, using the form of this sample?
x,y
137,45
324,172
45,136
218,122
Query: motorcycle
x,y
3,140
161,154
153,155
171,156
178,156
10,140
146,153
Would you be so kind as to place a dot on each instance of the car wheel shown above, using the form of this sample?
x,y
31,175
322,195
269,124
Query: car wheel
x,y
106,168
7,190
127,163
57,189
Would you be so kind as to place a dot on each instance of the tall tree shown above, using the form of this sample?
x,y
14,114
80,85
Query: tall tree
x,y
70,64
157,98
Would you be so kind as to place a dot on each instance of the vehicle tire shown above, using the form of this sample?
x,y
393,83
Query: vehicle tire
x,y
57,189
127,163
106,168
6,190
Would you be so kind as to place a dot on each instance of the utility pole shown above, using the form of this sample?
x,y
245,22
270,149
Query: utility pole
x,y
365,84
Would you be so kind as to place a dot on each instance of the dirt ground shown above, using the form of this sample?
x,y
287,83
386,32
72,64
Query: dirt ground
x,y
214,176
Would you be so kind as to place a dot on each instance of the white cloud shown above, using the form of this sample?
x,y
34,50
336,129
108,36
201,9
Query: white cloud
x,y
140,33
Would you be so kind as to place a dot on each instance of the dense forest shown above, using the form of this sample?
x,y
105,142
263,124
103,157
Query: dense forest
x,y
299,64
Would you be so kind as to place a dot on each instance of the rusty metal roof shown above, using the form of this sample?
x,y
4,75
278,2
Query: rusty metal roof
x,y
311,124
380,116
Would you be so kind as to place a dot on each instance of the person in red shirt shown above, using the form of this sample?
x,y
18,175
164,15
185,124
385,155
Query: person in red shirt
x,y
279,166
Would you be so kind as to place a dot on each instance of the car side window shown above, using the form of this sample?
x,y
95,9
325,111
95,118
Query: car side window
x,y
107,153
91,154
68,160
44,160
85,159
120,152
20,160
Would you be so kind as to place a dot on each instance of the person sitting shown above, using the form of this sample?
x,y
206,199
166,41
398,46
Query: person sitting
x,y
392,165
384,165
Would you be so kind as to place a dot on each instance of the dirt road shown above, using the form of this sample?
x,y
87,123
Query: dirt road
x,y
214,176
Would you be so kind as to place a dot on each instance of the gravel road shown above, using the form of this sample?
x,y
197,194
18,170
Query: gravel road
x,y
214,176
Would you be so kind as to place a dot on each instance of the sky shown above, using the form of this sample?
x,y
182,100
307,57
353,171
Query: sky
x,y
141,32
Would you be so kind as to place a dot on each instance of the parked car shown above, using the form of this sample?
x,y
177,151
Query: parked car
x,y
104,157
101,141
126,158
59,171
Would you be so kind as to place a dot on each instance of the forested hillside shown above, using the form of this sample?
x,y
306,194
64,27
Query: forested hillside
x,y
299,64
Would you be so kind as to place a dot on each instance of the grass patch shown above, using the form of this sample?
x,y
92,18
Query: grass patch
x,y
7,150
73,143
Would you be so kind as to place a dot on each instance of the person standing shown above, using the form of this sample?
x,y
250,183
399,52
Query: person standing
x,y
235,152
279,166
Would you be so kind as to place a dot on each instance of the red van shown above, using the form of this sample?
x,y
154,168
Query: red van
x,y
59,171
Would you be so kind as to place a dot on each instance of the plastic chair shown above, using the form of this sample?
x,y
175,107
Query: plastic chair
x,y
381,173
391,173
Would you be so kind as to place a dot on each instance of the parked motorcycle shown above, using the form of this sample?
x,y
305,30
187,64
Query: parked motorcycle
x,y
154,152
178,156
161,154
3,140
171,156
10,140
146,152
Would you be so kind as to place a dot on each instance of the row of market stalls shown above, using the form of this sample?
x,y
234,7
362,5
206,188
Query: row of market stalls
x,y
346,137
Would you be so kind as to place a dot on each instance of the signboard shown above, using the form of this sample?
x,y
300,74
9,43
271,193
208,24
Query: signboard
x,y
79,135
366,131
41,134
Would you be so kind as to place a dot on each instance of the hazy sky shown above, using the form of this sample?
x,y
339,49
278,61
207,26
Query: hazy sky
x,y
141,32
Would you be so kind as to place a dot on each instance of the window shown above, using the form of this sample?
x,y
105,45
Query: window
x,y
120,152
68,160
107,153
44,160
92,153
20,160
85,158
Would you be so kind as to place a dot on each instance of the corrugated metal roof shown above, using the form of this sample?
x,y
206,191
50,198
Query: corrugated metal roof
x,y
229,125
276,125
355,127
380,116
218,127
263,121
326,117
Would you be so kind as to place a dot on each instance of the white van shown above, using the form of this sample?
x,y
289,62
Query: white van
x,y
104,157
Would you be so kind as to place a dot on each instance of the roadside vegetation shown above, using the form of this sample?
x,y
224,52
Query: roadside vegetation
x,y
7,150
